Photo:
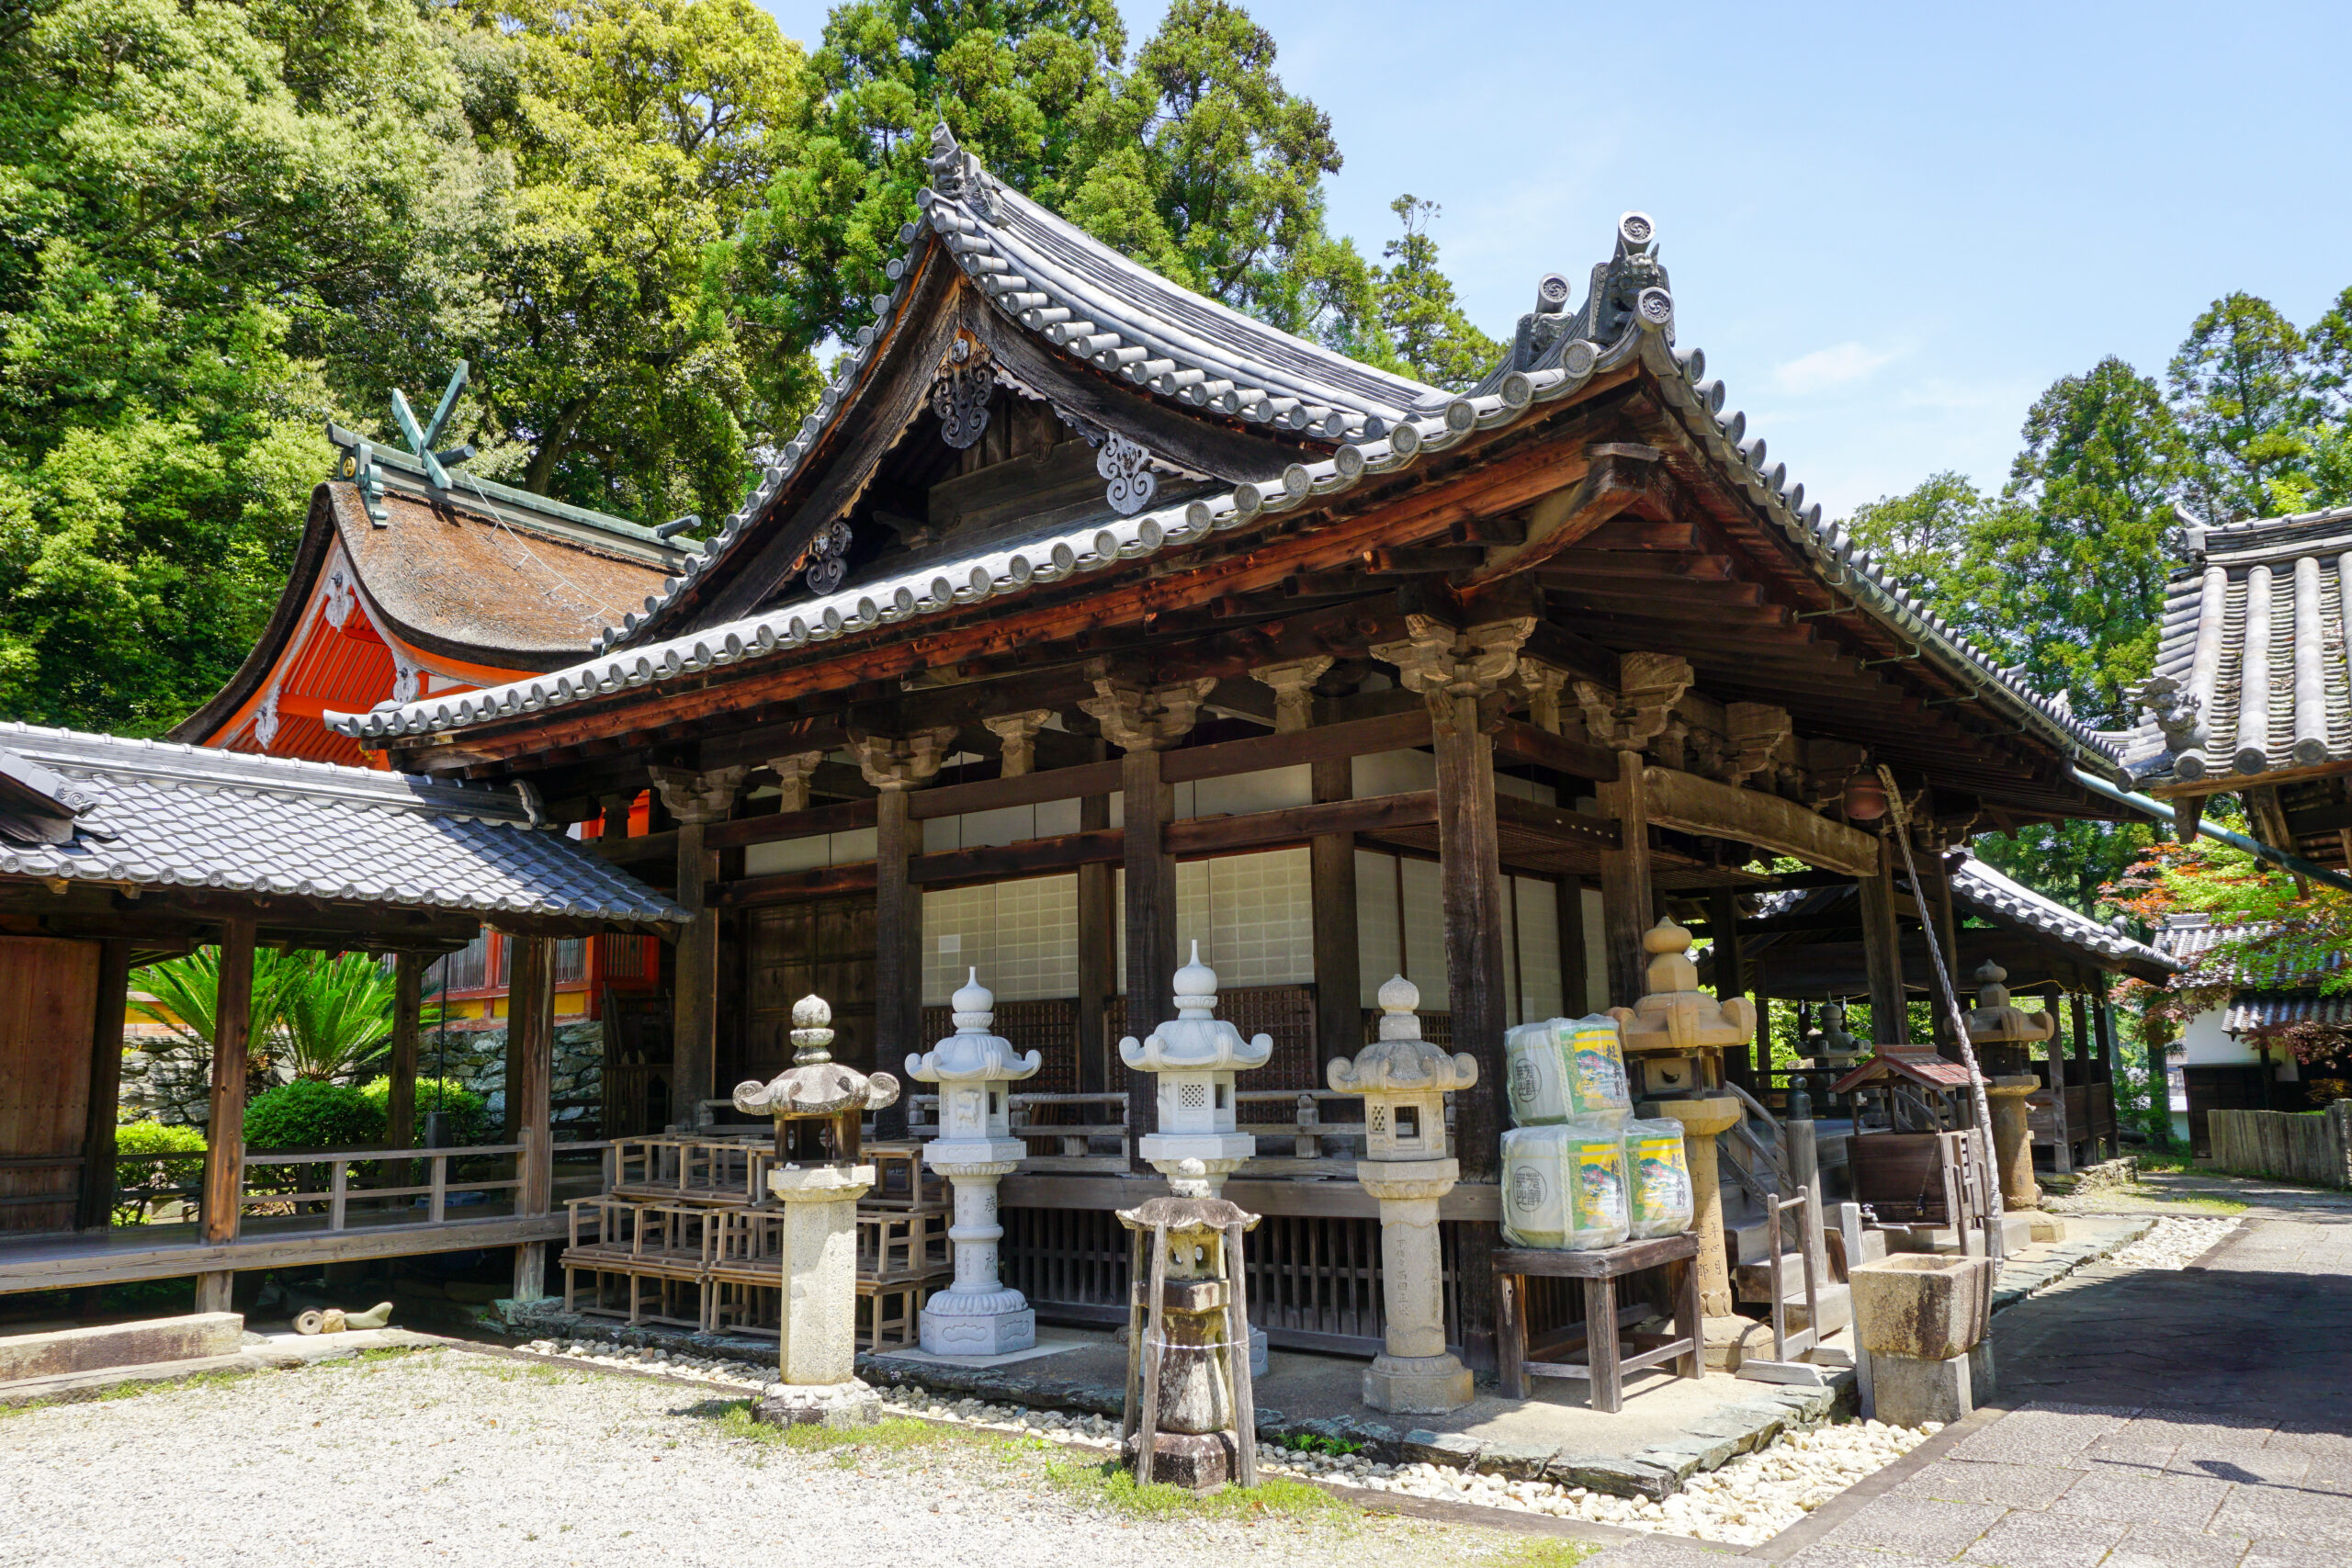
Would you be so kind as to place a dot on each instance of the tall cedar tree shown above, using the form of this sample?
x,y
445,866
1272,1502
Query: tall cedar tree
x,y
2246,406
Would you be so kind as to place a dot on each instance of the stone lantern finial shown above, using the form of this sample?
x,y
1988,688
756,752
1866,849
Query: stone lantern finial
x,y
816,1088
812,1034
1675,1015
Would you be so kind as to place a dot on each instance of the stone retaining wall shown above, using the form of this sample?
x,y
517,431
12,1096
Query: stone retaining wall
x,y
2312,1148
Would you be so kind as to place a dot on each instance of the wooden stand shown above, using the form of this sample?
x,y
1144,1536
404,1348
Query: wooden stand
x,y
1604,1363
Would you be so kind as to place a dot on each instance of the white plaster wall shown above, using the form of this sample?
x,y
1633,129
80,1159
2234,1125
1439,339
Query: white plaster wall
x,y
1400,928
2209,1044
808,854
1023,936
1253,916
1010,824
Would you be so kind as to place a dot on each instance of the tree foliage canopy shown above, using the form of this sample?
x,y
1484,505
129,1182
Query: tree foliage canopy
x,y
224,224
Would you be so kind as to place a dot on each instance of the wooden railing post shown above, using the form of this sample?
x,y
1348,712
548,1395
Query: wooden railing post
x,y
338,1191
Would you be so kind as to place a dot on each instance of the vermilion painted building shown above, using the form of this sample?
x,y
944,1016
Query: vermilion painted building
x,y
405,589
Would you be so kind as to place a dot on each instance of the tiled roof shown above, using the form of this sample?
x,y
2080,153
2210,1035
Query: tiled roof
x,y
2287,968
2251,676
2273,1009
1919,1066
1631,312
1978,884
156,814
1978,888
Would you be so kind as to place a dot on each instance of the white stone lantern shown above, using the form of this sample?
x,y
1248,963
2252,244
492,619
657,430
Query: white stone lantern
x,y
977,1315
1193,1058
1404,1080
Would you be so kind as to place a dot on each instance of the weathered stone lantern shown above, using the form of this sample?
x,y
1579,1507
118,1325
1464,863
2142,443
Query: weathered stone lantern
x,y
816,1103
1674,1038
1193,1058
1404,1080
1190,1416
975,1149
2001,1030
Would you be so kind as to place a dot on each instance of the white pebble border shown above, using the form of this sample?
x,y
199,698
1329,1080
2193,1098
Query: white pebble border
x,y
1747,1501
2174,1243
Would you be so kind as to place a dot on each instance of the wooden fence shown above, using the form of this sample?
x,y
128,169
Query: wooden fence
x,y
2313,1147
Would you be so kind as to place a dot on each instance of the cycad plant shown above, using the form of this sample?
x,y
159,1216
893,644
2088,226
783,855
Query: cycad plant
x,y
320,1016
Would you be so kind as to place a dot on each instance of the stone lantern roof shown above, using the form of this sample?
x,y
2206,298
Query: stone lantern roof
x,y
1195,1040
1994,1020
1674,1014
1400,1061
972,1054
815,1085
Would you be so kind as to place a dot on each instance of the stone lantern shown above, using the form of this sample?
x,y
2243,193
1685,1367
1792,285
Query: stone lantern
x,y
977,1315
1190,1416
2001,1030
1193,1058
1404,1080
816,1103
1674,1039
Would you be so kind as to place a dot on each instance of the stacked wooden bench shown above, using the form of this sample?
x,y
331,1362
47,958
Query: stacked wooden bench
x,y
688,1238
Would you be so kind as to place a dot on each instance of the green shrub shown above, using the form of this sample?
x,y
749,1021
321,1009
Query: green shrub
x,y
469,1113
305,1114
141,1182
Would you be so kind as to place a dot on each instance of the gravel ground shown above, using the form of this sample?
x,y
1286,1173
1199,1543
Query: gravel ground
x,y
2176,1243
447,1457
1747,1501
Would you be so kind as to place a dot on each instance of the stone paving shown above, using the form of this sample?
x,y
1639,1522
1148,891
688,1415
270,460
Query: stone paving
x,y
2155,1418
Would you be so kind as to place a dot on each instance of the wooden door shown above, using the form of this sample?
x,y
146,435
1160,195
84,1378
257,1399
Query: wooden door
x,y
2232,1088
49,996
822,946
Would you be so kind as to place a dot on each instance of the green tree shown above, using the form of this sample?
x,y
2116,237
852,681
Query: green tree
x,y
632,359
1424,324
1210,172
2247,404
2080,549
1017,81
203,211
1930,539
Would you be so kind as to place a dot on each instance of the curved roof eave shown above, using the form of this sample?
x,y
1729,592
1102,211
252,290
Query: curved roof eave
x,y
1646,336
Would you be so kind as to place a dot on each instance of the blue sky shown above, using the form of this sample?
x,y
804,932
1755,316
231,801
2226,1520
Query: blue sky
x,y
1890,226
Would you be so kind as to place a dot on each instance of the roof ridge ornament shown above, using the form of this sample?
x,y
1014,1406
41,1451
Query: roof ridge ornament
x,y
957,176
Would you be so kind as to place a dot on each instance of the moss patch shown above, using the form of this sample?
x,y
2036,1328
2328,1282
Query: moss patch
x,y
1555,1551
1110,1485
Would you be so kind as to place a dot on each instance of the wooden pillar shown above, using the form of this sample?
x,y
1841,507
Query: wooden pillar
x,y
695,800
2103,1021
1883,955
1731,980
1331,868
1932,893
408,1011
1576,982
1758,1056
1471,885
2061,1137
1097,956
1147,804
617,814
530,1024
94,1209
224,1132
895,765
898,942
1627,911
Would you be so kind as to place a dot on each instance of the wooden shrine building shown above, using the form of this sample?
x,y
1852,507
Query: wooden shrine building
x,y
405,587
1808,947
2251,694
1085,616
114,852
